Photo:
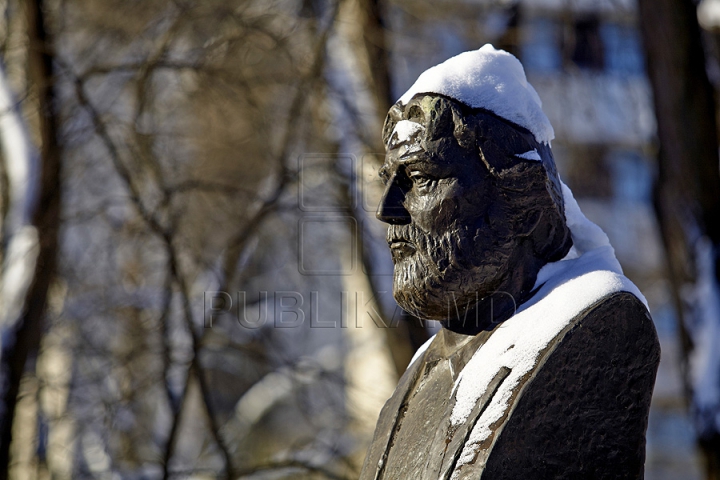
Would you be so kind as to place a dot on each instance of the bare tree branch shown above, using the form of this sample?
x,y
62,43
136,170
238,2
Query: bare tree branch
x,y
284,175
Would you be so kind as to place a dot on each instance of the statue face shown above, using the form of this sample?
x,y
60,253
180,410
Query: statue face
x,y
449,234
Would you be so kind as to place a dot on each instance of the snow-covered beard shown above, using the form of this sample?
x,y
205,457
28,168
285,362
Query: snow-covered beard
x,y
445,274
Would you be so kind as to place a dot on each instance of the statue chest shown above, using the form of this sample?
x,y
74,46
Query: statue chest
x,y
419,431
577,410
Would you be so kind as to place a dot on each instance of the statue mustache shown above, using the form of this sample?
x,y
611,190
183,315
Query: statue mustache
x,y
406,233
440,250
452,247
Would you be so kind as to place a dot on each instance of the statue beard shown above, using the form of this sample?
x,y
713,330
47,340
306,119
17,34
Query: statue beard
x,y
445,275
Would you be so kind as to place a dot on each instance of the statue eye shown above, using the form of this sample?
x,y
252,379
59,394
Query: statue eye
x,y
421,180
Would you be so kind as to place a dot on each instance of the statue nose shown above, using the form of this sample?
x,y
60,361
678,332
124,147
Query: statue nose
x,y
391,209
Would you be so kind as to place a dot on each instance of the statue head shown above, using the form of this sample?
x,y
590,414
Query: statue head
x,y
474,207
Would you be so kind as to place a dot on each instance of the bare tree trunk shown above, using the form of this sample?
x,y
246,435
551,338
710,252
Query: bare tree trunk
x,y
377,55
687,195
373,55
46,219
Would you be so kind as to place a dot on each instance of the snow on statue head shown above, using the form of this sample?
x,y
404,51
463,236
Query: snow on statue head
x,y
490,79
473,197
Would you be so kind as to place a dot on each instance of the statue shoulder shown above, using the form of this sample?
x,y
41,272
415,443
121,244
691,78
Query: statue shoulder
x,y
585,414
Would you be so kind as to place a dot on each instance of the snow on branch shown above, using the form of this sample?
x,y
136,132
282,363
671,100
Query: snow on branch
x,y
22,167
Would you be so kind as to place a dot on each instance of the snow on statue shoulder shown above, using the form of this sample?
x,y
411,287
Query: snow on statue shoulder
x,y
487,239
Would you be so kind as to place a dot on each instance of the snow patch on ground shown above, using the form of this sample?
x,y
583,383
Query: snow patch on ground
x,y
491,79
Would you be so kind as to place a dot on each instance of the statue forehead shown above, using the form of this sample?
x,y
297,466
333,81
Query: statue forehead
x,y
428,119
427,105
442,116
423,131
429,111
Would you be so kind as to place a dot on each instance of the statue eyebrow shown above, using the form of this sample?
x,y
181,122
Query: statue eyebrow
x,y
415,157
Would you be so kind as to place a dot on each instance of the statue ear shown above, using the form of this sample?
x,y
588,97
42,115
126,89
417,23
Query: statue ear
x,y
528,222
551,239
500,143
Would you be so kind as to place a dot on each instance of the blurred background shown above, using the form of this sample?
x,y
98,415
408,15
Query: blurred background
x,y
193,283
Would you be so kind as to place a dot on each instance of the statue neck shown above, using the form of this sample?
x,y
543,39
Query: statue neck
x,y
487,313
494,309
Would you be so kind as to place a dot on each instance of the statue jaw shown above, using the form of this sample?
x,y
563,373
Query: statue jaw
x,y
456,278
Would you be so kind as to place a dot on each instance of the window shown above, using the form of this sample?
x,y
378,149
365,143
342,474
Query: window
x,y
588,51
586,43
623,52
540,46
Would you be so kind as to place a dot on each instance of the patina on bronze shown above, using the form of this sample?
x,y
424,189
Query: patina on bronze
x,y
471,223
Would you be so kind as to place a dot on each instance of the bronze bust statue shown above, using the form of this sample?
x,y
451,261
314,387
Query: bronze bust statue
x,y
546,361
